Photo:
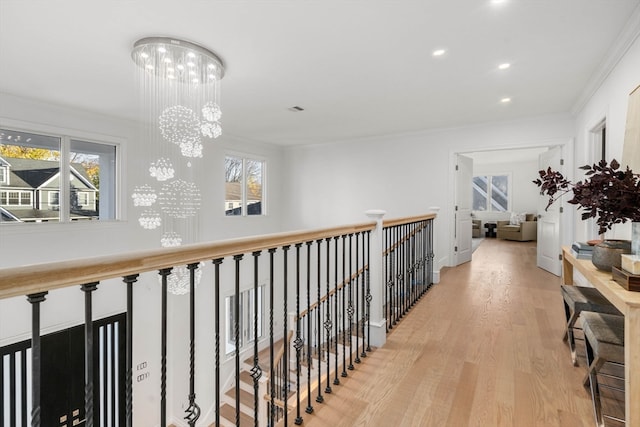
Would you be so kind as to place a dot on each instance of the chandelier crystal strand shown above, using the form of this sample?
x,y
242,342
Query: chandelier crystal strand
x,y
179,83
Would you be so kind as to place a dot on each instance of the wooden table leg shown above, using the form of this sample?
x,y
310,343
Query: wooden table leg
x,y
632,366
567,272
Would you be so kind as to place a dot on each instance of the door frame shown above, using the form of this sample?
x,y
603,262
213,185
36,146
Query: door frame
x,y
567,222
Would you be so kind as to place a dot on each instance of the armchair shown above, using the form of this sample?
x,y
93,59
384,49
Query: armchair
x,y
525,231
475,227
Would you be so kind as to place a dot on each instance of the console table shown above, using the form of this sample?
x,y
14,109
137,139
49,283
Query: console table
x,y
629,304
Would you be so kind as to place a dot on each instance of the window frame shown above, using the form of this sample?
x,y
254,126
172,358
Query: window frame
x,y
66,136
244,205
4,195
489,206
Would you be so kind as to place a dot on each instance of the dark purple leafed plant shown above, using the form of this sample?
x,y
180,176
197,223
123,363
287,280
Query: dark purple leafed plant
x,y
609,194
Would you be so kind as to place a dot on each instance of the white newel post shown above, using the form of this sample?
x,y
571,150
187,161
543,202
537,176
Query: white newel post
x,y
263,406
377,321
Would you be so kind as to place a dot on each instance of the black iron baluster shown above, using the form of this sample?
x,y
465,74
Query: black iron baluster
x,y
357,299
129,281
256,371
408,265
236,333
272,376
193,411
36,357
319,398
309,408
396,278
23,387
400,274
327,323
88,288
389,276
336,381
298,343
431,254
365,268
350,310
369,297
164,273
285,344
343,295
403,269
216,290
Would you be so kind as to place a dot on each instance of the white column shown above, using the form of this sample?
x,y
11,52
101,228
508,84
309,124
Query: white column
x,y
377,321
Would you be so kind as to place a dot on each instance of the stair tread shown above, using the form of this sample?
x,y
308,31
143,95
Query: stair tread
x,y
227,411
246,398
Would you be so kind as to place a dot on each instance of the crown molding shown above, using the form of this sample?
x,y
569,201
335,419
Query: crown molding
x,y
627,36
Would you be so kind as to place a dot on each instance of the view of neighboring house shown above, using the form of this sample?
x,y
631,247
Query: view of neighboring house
x,y
30,191
233,199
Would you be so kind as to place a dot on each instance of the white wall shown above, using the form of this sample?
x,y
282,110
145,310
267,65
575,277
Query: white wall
x,y
610,101
404,175
23,244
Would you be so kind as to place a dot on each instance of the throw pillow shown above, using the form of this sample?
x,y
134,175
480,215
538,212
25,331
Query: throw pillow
x,y
514,219
517,219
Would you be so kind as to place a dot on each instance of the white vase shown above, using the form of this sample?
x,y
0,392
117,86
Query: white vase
x,y
635,238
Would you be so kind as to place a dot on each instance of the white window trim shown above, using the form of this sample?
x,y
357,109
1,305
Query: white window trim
x,y
66,135
4,175
50,195
489,185
245,157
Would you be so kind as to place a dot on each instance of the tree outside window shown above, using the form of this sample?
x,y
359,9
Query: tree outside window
x,y
244,186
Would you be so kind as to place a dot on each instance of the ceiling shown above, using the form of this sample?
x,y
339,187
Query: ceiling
x,y
358,68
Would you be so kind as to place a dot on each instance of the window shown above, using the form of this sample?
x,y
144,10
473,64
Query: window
x,y
54,198
245,317
84,188
491,193
15,198
244,186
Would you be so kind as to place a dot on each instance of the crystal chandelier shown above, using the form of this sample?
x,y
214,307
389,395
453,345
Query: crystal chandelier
x,y
179,83
188,67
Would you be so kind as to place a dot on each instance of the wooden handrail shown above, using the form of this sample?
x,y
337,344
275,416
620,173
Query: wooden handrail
x,y
331,292
29,279
400,242
407,220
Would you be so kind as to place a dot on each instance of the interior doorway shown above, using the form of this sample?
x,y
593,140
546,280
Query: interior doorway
x,y
521,166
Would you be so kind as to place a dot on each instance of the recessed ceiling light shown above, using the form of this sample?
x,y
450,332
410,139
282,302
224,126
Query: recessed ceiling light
x,y
504,66
505,100
438,52
498,1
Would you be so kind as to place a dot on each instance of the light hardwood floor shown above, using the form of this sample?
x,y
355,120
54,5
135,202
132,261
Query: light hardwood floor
x,y
482,348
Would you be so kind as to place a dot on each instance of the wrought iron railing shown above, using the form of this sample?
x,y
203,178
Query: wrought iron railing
x,y
320,299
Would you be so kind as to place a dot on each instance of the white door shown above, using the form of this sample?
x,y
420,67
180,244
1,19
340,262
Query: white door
x,y
549,250
464,177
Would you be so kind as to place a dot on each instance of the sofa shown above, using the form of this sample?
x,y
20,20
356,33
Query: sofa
x,y
520,228
475,228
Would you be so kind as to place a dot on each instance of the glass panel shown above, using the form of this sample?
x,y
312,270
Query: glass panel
x,y
92,181
479,193
500,193
254,187
32,163
233,185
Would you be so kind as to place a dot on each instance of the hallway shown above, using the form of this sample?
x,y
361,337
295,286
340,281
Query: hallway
x,y
482,348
